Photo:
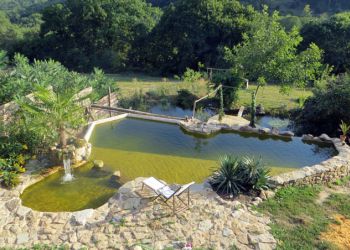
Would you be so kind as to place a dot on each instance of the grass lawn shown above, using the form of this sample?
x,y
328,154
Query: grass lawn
x,y
300,220
269,96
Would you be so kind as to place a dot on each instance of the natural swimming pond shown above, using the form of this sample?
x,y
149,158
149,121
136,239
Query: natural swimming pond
x,y
145,148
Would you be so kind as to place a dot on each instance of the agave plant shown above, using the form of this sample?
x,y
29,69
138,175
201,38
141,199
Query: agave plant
x,y
257,173
239,175
228,179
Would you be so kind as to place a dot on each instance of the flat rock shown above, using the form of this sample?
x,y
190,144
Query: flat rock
x,y
81,217
12,204
286,133
205,225
22,238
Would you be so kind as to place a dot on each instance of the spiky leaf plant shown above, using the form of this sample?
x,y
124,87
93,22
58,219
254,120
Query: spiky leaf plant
x,y
236,175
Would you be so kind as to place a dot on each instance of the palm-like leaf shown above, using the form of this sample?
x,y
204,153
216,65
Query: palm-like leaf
x,y
49,110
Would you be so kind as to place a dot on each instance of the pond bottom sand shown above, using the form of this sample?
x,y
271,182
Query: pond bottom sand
x,y
93,187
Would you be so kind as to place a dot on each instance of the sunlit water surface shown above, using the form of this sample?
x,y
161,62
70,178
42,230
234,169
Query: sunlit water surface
x,y
144,148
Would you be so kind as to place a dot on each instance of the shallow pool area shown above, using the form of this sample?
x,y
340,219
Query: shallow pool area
x,y
146,148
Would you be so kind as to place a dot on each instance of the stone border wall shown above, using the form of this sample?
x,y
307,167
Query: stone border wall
x,y
325,172
203,128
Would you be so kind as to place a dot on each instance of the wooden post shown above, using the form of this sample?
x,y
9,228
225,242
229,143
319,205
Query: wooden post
x,y
109,100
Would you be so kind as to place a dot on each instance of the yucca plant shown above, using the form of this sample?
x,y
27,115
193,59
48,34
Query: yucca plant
x,y
236,175
257,173
228,178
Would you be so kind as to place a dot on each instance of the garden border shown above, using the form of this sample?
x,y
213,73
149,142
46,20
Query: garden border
x,y
325,172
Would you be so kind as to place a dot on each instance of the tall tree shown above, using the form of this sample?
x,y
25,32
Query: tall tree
x,y
53,113
86,33
269,51
333,36
194,31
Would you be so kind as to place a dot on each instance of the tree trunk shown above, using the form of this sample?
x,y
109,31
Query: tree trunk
x,y
253,110
63,138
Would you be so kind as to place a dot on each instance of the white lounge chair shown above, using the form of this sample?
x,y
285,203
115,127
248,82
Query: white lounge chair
x,y
166,192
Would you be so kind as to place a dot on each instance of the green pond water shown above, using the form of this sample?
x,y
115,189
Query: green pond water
x,y
145,148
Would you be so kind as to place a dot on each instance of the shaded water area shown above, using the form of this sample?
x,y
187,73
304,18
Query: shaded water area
x,y
266,121
145,148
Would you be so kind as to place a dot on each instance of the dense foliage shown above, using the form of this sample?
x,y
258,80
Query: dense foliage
x,y
323,112
24,76
269,51
53,113
20,10
294,7
236,176
123,35
231,84
194,31
11,161
333,36
86,34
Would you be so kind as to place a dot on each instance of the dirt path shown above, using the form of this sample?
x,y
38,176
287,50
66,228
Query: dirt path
x,y
339,232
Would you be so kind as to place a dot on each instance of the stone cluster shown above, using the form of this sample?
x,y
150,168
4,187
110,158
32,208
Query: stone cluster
x,y
327,171
196,126
131,218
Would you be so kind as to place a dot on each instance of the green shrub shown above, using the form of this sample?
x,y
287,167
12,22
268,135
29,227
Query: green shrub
x,y
231,83
9,179
202,115
137,102
323,111
237,176
191,75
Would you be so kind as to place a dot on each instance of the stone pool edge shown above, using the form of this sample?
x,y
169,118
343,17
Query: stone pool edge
x,y
11,203
327,171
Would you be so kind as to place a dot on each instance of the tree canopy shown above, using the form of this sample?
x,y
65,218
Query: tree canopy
x,y
24,76
333,36
269,51
323,112
195,31
83,34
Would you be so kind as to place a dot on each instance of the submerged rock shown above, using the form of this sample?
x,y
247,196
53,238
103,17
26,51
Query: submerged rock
x,y
116,174
98,164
